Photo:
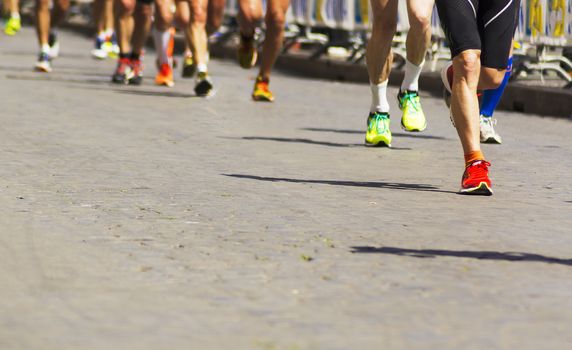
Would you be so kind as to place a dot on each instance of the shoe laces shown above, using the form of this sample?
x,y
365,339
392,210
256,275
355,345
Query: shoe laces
x,y
378,122
136,66
410,98
479,169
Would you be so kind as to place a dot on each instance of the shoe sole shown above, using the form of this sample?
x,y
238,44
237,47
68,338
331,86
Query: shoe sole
x,y
262,99
42,69
252,62
165,83
482,190
491,140
380,144
404,128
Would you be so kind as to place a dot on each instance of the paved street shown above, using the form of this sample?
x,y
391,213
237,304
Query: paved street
x,y
146,218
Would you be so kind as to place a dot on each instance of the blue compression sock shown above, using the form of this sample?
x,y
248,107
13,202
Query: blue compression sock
x,y
491,98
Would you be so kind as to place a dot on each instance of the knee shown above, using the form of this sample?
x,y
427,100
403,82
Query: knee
x,y
182,19
124,7
199,16
492,79
275,20
467,63
419,22
386,24
164,17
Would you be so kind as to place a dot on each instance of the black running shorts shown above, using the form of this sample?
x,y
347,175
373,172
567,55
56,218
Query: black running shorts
x,y
486,25
145,2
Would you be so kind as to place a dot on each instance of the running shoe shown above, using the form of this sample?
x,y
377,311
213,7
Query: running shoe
x,y
54,45
378,132
413,118
189,67
99,52
165,76
476,179
13,26
44,63
247,53
122,72
204,85
447,79
261,91
136,76
488,133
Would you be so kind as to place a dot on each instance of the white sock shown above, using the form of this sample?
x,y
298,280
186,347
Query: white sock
x,y
161,40
379,98
15,15
411,79
202,68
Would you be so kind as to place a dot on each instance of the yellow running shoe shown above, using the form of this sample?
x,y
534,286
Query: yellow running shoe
x,y
247,53
413,118
13,26
261,91
378,133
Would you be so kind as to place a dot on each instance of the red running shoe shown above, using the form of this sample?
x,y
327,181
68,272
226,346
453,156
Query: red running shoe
x,y
476,179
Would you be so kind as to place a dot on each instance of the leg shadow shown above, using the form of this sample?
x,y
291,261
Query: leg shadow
x,y
398,134
480,255
308,141
377,184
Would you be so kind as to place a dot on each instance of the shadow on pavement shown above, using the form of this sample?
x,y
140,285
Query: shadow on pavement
x,y
359,132
311,142
480,255
155,93
34,76
379,184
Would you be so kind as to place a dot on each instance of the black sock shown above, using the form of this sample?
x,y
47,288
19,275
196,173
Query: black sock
x,y
135,56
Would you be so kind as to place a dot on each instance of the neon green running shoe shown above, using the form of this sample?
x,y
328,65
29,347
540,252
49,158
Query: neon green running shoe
x,y
13,26
378,133
413,118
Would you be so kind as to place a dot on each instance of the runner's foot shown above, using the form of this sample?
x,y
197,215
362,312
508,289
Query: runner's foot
x,y
204,85
261,91
165,76
247,53
413,118
378,133
122,72
476,180
136,76
488,133
44,63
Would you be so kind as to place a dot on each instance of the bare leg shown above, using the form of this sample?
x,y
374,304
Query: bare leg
x,y
43,21
249,16
378,54
275,21
198,33
215,15
124,24
419,35
141,27
464,101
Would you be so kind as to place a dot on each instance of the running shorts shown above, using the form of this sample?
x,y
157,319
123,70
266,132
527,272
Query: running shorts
x,y
145,2
486,25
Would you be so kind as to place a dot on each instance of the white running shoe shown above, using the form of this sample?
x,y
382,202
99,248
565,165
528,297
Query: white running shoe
x,y
488,133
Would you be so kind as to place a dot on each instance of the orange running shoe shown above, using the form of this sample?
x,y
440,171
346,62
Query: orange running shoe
x,y
476,179
261,91
165,76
